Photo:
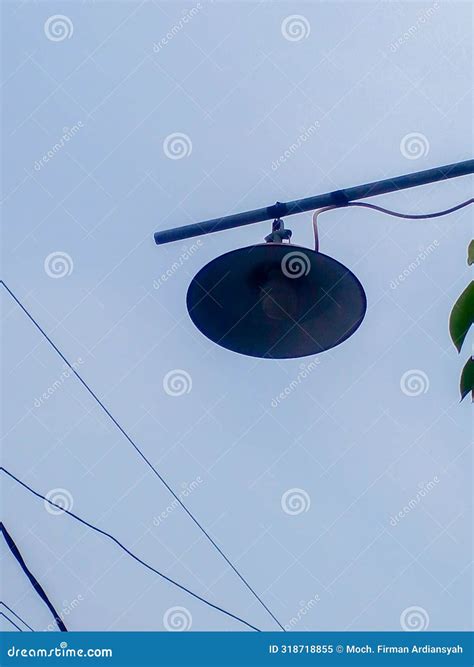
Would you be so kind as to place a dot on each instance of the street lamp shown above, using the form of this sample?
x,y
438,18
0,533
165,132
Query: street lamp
x,y
277,300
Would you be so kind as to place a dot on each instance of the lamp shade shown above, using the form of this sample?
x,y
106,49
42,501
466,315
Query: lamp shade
x,y
277,301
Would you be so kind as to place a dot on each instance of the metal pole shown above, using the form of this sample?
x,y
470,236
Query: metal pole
x,y
336,198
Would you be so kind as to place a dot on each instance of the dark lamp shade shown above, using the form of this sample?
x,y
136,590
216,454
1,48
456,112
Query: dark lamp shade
x,y
277,301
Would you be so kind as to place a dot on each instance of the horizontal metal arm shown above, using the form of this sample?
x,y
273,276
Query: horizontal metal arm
x,y
336,198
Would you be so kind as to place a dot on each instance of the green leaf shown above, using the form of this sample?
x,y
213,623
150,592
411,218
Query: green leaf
x,y
462,316
470,253
467,379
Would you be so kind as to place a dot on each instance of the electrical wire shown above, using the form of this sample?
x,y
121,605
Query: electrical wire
x,y
15,614
141,454
10,621
127,551
316,214
396,214
31,577
411,216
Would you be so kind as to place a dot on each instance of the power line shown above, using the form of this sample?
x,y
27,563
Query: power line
x,y
10,621
17,616
141,454
410,216
34,582
387,211
127,551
